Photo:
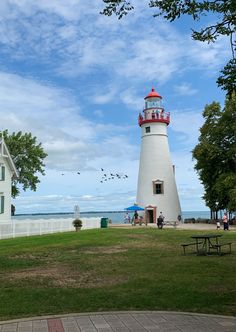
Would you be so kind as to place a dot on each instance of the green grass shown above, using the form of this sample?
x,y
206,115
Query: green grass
x,y
113,269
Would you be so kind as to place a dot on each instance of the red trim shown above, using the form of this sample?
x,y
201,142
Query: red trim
x,y
141,122
162,118
152,94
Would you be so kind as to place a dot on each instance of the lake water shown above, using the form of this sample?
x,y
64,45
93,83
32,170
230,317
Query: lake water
x,y
116,217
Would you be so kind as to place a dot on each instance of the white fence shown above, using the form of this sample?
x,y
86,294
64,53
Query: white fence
x,y
28,227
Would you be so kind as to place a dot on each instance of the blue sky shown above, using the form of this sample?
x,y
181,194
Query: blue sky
x,y
76,80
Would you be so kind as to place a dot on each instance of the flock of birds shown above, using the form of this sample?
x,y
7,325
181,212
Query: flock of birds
x,y
111,176
108,176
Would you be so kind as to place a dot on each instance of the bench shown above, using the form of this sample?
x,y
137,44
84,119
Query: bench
x,y
219,245
168,223
184,245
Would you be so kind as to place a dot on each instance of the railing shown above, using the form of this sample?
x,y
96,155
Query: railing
x,y
29,227
154,117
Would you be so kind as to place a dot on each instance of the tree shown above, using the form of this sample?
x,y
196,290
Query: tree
x,y
224,10
227,81
28,157
215,155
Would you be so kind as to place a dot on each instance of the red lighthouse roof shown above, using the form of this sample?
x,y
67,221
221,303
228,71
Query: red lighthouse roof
x,y
152,94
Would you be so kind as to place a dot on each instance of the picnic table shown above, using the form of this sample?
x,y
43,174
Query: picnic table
x,y
207,243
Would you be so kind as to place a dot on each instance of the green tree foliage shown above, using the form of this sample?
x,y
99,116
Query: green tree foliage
x,y
28,157
227,81
223,10
215,155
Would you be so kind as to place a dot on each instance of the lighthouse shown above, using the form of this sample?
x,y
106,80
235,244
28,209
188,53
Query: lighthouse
x,y
157,191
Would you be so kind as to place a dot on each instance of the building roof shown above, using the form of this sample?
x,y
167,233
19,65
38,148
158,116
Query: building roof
x,y
152,94
4,152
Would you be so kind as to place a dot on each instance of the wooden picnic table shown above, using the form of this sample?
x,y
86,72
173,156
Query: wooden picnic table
x,y
206,243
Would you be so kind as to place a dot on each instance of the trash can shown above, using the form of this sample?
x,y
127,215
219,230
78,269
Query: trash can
x,y
104,222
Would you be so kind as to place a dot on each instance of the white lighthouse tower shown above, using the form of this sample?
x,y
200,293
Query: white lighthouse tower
x,y
157,190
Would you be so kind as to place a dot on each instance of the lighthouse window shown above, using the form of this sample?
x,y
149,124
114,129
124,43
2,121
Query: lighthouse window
x,y
158,188
148,129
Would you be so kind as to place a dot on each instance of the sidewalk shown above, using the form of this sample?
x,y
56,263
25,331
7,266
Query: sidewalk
x,y
196,226
134,321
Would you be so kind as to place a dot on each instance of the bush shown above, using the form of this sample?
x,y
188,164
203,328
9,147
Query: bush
x,y
189,221
77,223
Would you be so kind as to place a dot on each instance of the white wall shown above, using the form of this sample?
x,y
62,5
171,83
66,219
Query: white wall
x,y
156,164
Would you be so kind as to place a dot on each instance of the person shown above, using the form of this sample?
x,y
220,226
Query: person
x,y
127,218
225,222
135,218
160,221
217,224
140,220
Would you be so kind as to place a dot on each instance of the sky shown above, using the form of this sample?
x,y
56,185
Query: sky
x,y
76,80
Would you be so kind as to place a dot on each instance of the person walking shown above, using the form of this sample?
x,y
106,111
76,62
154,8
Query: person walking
x,y
127,218
160,221
225,222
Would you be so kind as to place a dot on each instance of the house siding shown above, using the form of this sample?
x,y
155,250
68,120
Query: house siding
x,y
5,190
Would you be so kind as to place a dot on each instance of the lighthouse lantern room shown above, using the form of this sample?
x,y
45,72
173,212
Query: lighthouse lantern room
x,y
157,190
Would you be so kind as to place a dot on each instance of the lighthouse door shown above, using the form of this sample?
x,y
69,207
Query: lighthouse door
x,y
151,214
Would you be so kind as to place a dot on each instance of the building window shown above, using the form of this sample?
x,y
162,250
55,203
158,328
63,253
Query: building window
x,y
148,129
2,173
1,204
158,187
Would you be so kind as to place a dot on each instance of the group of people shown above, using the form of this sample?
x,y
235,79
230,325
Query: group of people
x,y
135,218
161,218
139,219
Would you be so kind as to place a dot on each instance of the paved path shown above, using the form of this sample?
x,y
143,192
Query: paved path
x,y
134,321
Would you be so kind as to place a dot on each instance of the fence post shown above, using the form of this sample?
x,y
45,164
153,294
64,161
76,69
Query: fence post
x,y
13,228
28,228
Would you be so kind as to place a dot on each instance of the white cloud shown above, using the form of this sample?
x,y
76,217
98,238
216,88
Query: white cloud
x,y
185,89
105,95
187,123
75,32
51,115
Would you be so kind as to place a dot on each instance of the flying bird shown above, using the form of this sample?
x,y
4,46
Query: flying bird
x,y
78,173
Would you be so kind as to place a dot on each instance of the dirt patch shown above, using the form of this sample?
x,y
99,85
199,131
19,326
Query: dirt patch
x,y
64,276
37,256
104,250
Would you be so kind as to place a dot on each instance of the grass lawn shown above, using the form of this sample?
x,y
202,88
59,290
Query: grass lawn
x,y
113,269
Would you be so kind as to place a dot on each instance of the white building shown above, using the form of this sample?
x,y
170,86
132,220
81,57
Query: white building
x,y
157,190
7,172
